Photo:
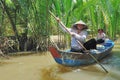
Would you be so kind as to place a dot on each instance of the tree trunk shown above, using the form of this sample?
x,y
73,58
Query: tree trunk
x,y
10,18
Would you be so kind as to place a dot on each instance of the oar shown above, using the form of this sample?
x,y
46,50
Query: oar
x,y
78,42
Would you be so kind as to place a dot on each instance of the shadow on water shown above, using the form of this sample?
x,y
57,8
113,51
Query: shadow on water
x,y
58,72
92,72
113,64
51,72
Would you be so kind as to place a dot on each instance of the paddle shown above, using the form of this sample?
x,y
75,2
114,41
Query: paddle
x,y
78,41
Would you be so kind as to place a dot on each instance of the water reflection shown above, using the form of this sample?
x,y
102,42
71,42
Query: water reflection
x,y
92,72
113,64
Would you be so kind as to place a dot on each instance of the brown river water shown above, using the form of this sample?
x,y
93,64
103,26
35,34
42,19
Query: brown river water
x,y
43,67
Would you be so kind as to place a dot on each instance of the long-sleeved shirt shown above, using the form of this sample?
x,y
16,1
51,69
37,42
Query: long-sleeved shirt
x,y
101,36
81,37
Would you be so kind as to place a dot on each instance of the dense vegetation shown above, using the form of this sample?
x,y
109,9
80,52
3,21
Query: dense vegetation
x,y
31,18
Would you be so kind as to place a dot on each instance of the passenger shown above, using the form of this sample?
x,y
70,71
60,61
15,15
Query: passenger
x,y
101,36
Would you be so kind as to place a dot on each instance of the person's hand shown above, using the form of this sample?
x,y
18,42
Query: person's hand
x,y
72,34
58,20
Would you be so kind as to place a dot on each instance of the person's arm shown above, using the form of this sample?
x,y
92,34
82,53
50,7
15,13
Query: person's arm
x,y
81,37
104,35
62,26
64,29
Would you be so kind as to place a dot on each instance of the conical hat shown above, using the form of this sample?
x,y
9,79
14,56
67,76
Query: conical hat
x,y
80,22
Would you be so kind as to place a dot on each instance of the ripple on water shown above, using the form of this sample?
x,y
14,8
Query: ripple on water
x,y
93,72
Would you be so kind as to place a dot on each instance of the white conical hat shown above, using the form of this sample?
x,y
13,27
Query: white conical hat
x,y
80,22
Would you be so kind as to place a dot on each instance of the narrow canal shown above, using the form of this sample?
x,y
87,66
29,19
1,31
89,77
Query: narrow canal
x,y
43,67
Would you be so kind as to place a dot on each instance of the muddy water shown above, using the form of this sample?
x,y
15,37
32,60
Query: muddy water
x,y
23,67
43,67
92,72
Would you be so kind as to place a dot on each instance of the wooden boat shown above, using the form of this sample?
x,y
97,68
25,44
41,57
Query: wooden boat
x,y
72,59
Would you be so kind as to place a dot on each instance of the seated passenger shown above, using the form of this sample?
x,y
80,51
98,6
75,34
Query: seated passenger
x,y
101,36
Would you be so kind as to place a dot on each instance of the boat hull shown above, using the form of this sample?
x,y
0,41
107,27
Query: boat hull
x,y
68,58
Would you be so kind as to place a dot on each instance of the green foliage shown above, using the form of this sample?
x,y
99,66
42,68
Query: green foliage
x,y
96,13
33,15
10,4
